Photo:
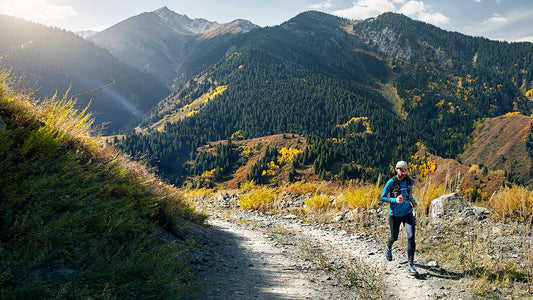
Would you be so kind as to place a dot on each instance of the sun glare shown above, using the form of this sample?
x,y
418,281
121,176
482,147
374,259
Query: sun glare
x,y
36,10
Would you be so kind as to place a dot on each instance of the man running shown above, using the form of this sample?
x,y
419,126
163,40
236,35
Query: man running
x,y
398,193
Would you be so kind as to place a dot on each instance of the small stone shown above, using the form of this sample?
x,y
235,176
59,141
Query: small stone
x,y
290,217
433,264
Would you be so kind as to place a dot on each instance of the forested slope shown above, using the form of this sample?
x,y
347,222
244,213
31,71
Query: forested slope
x,y
321,76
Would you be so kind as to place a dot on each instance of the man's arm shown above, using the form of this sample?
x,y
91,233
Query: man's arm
x,y
386,191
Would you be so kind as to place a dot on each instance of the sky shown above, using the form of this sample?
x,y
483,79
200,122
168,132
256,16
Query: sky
x,y
508,20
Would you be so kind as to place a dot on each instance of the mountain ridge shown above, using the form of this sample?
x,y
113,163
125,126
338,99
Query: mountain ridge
x,y
160,42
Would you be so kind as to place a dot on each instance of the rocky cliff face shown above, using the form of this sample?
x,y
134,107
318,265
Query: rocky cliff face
x,y
388,42
403,39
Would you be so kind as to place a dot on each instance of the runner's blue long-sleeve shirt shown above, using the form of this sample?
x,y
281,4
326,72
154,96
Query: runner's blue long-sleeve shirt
x,y
398,209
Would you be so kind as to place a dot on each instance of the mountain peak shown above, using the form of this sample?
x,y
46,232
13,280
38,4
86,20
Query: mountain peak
x,y
316,16
182,24
310,20
163,9
234,27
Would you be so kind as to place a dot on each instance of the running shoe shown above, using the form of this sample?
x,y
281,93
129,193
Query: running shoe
x,y
388,254
412,270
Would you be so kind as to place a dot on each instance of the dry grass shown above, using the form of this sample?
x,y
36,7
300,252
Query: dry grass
x,y
361,197
318,203
300,188
260,199
198,193
248,185
512,202
425,194
310,188
364,280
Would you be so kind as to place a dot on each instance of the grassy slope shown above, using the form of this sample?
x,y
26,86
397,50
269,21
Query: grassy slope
x,y
501,144
78,219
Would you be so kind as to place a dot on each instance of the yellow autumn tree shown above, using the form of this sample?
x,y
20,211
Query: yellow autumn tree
x,y
529,93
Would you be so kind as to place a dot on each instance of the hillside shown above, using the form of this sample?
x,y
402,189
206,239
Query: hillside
x,y
362,93
502,144
162,42
79,220
227,164
56,61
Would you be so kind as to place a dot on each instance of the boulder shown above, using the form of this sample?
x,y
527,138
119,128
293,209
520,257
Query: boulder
x,y
446,206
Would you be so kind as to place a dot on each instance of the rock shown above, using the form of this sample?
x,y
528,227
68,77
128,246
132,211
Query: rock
x,y
290,217
339,217
433,264
477,212
446,206
227,200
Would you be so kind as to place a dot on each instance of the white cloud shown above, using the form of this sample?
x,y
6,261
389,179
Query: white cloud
x,y
514,25
476,1
496,19
36,10
363,9
322,5
419,11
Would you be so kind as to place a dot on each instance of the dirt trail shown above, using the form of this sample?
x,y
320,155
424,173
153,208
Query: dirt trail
x,y
254,256
247,264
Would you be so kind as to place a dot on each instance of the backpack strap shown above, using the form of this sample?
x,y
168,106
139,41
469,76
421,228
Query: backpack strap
x,y
396,189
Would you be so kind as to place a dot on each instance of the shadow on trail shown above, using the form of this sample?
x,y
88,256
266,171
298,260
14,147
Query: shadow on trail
x,y
230,270
437,272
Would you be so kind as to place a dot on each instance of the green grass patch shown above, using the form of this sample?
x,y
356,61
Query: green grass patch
x,y
77,220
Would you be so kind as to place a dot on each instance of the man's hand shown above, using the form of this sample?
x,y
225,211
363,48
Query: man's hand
x,y
399,199
414,204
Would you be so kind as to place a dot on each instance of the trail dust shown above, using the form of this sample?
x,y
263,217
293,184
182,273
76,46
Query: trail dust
x,y
249,255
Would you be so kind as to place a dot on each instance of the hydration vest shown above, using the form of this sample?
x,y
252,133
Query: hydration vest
x,y
396,189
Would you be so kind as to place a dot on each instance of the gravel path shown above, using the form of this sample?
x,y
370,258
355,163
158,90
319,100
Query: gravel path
x,y
246,255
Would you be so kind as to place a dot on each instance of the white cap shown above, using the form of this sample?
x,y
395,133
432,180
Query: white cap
x,y
402,165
